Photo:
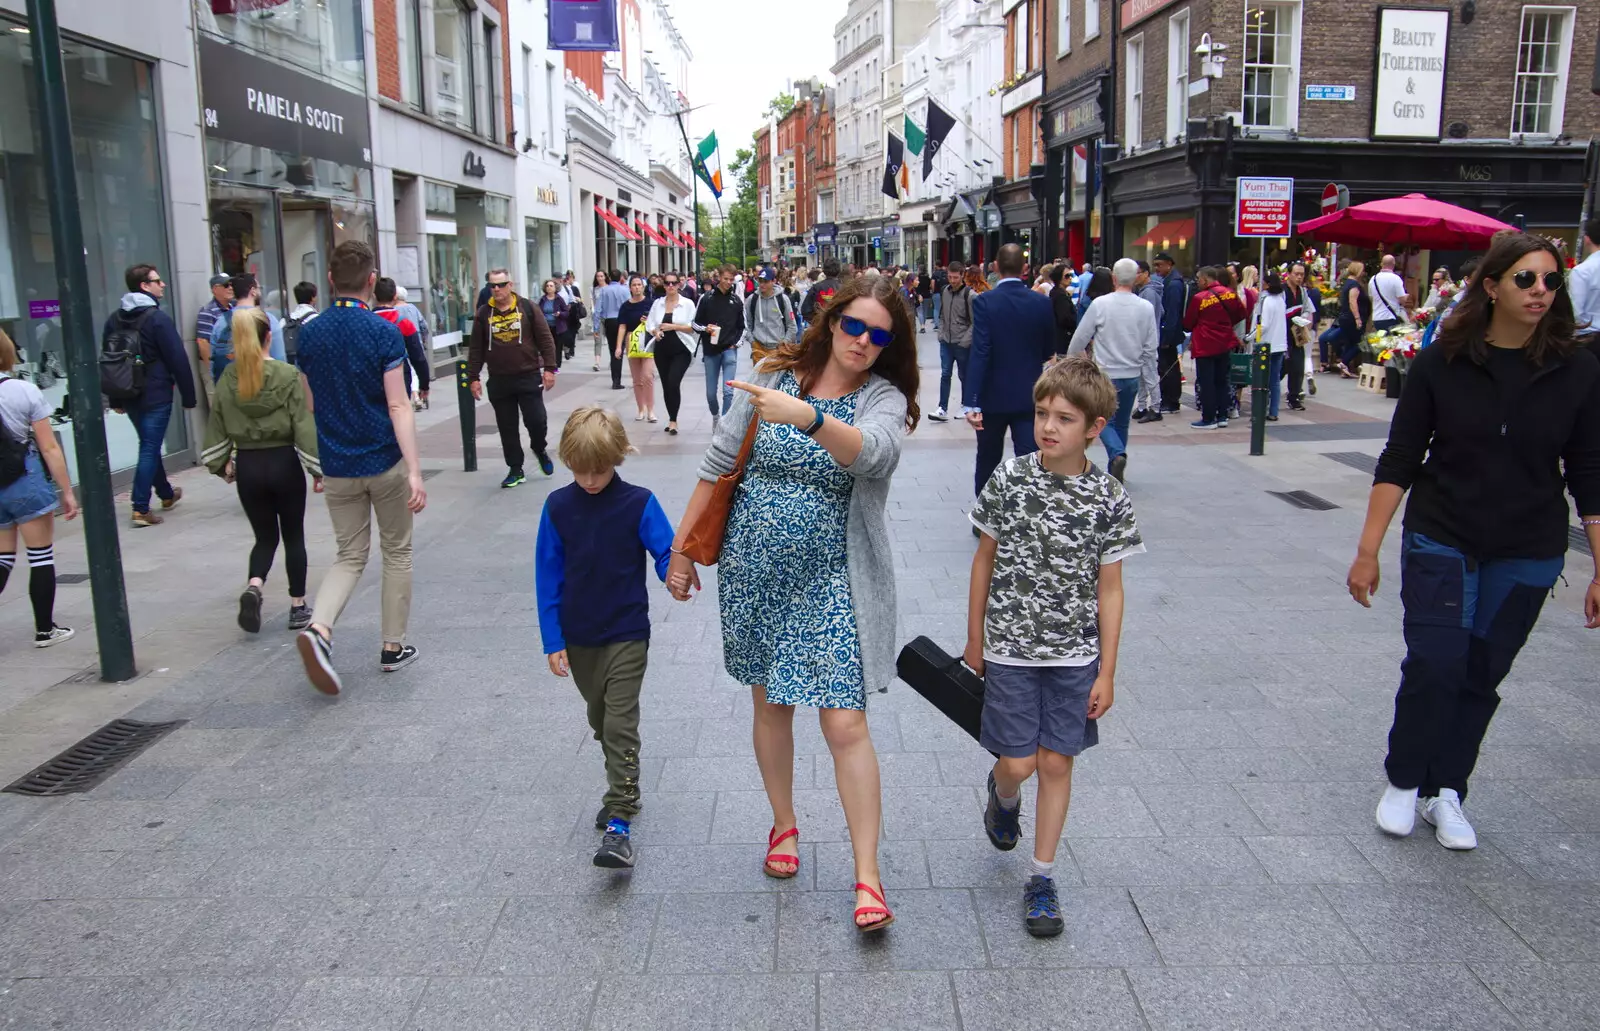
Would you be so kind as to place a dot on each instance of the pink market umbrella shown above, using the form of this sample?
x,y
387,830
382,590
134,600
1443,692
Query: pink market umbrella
x,y
1413,220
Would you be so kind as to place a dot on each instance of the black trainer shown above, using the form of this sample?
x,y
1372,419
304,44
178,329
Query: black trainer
x,y
1043,918
1118,467
616,848
1004,826
299,617
602,818
390,660
250,610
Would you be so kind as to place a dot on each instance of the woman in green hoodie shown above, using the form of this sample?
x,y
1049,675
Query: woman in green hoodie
x,y
260,437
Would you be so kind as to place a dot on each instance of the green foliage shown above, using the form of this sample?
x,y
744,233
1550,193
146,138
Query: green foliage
x,y
781,105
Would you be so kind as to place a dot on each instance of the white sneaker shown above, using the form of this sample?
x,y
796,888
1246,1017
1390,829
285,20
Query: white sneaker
x,y
1397,810
938,415
1450,824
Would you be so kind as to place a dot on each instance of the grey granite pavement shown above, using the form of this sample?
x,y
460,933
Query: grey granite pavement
x,y
414,855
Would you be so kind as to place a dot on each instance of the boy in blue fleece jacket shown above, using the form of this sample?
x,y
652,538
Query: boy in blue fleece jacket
x,y
594,615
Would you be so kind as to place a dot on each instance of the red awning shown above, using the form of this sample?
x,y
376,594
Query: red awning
x,y
682,238
655,233
1167,234
616,223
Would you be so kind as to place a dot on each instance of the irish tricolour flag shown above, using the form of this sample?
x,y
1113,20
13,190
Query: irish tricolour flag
x,y
708,164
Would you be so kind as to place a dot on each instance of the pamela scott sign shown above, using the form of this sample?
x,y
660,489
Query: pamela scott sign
x,y
251,100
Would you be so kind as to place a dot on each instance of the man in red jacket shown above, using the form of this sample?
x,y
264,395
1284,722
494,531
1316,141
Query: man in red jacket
x,y
1213,310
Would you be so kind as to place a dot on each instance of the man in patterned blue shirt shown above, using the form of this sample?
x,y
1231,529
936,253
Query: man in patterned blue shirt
x,y
351,362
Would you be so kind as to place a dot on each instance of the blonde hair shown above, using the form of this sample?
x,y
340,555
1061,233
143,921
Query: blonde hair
x,y
1080,383
251,331
593,440
8,353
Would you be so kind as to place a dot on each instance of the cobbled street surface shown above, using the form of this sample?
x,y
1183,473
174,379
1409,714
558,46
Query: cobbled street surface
x,y
415,853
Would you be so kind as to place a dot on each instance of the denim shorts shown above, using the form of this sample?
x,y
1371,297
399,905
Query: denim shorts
x,y
29,498
1026,708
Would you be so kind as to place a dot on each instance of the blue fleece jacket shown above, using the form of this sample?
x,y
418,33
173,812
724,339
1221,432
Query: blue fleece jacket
x,y
589,565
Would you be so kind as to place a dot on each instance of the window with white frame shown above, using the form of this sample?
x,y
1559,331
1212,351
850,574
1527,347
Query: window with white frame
x,y
1271,56
1019,41
1543,50
1133,123
1063,28
1091,18
1177,75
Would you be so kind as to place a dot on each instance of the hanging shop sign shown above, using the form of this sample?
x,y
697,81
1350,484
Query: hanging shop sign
x,y
253,101
1408,86
583,25
1135,11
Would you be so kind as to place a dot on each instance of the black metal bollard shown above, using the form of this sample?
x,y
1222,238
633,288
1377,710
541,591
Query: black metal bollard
x,y
469,418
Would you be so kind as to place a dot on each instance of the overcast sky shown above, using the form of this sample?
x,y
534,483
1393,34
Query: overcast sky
x,y
744,55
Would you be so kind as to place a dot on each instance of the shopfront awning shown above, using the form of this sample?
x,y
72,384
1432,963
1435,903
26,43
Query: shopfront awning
x,y
655,233
616,223
684,239
1176,233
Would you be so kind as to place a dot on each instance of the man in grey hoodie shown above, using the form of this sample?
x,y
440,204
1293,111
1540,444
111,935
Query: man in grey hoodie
x,y
1125,332
955,336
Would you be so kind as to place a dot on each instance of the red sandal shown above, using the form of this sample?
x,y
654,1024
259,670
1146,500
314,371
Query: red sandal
x,y
881,907
774,839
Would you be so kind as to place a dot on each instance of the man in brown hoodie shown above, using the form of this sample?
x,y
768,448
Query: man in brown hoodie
x,y
511,336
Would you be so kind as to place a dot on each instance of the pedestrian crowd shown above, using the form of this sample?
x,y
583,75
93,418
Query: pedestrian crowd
x,y
790,498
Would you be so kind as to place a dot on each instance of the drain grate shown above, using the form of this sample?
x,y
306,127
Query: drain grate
x,y
1304,499
1354,459
1579,539
72,578
428,474
93,759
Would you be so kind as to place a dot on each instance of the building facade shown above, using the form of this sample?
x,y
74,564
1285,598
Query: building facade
x,y
541,227
818,188
1020,197
1073,125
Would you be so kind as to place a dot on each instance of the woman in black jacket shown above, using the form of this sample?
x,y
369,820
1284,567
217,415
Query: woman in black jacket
x,y
1490,417
1066,313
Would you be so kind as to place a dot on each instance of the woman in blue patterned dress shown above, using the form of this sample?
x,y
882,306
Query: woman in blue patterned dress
x,y
806,577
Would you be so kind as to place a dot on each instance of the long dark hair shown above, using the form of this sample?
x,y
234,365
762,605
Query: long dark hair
x,y
1467,328
897,363
1101,283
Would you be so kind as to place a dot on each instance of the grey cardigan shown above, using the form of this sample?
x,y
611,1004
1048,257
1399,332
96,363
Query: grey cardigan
x,y
881,418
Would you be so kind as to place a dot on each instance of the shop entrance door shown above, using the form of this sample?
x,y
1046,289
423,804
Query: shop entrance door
x,y
307,239
244,236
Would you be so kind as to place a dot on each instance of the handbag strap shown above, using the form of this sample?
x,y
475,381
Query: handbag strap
x,y
746,447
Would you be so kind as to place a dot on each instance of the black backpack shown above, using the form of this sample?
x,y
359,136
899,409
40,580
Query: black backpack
x,y
122,358
291,337
13,454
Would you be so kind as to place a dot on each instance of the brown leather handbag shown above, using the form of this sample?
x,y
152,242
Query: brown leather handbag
x,y
703,542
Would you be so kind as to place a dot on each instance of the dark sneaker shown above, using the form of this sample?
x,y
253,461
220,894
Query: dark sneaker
x,y
55,635
1203,425
299,617
1043,918
1118,467
616,849
390,660
602,818
1140,413
1002,825
545,465
250,610
317,655
513,478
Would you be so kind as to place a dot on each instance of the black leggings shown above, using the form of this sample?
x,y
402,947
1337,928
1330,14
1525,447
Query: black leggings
x,y
672,362
272,489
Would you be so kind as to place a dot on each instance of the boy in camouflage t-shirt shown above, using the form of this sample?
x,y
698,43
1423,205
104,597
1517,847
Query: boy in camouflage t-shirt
x,y
1045,614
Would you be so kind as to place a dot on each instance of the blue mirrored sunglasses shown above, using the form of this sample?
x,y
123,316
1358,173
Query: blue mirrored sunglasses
x,y
853,326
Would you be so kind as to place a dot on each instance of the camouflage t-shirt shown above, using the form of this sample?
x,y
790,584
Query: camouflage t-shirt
x,y
1053,533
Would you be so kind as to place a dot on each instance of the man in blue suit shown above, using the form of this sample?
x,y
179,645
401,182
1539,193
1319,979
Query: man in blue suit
x,y
1013,335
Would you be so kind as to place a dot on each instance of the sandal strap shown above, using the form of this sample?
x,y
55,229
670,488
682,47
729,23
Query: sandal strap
x,y
860,886
779,857
774,841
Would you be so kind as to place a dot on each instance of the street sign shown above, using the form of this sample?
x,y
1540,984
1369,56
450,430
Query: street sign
x,y
1330,92
811,248
1262,206
1335,198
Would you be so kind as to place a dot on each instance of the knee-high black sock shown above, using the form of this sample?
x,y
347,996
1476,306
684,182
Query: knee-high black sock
x,y
42,587
7,560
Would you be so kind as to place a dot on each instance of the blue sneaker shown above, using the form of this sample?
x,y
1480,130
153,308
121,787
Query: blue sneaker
x,y
1044,908
513,478
1002,825
545,465
1203,425
616,850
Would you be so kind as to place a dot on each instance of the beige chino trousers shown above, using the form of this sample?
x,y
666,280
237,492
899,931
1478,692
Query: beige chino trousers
x,y
351,506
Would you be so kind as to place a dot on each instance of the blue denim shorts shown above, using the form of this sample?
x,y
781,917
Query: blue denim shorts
x,y
1029,707
29,498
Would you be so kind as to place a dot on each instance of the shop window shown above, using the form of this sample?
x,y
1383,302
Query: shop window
x,y
1177,75
1133,132
1019,40
323,37
454,71
1063,28
1271,45
492,65
408,31
1543,50
497,233
1091,18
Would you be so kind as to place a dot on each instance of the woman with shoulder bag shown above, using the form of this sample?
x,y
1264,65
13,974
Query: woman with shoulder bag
x,y
558,313
1496,418
262,438
634,341
671,325
31,461
806,576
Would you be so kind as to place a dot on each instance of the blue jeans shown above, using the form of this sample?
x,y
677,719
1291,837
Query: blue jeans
x,y
720,368
1464,621
951,356
1115,435
150,423
1274,381
934,304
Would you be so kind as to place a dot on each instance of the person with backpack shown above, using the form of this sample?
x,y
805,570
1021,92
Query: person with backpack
x,y
29,449
304,310
153,364
385,297
246,294
768,317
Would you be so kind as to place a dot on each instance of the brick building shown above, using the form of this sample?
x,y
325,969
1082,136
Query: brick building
x,y
1485,106
1021,152
817,176
793,155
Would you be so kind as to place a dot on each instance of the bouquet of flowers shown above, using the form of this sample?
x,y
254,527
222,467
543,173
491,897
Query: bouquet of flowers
x,y
1423,316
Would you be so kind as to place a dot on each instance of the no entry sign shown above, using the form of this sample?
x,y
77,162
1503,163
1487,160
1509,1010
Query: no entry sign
x,y
1262,206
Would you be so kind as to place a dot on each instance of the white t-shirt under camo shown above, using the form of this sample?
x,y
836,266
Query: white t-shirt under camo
x,y
1053,534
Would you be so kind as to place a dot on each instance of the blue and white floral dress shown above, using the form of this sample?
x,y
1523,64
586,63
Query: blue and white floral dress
x,y
782,579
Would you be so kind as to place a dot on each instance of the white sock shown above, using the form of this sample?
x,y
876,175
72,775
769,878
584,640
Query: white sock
x,y
1042,868
1008,802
